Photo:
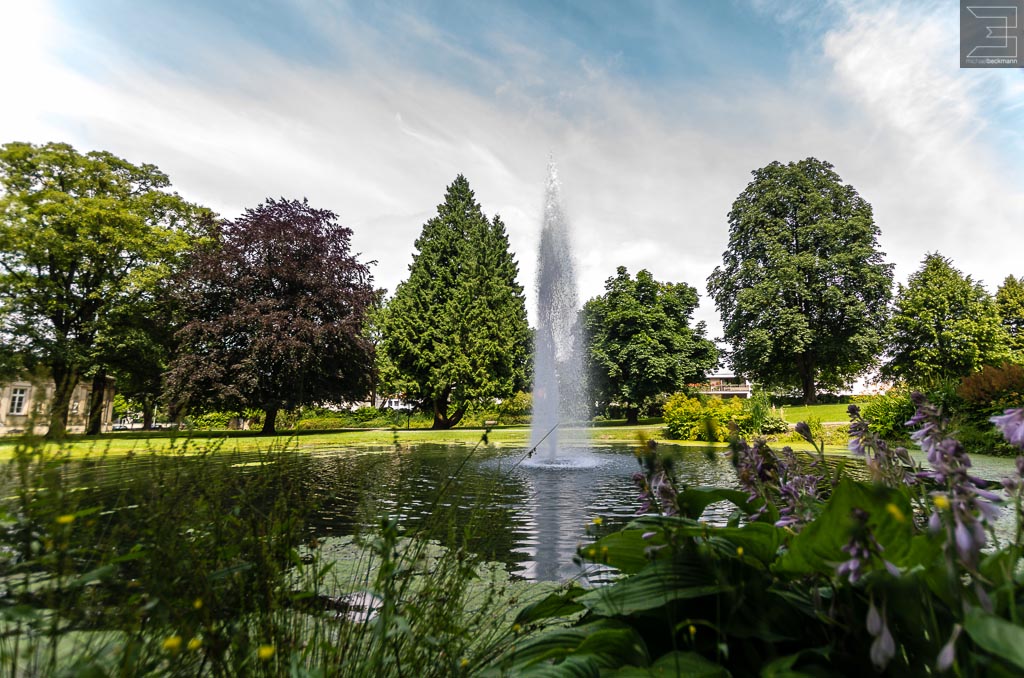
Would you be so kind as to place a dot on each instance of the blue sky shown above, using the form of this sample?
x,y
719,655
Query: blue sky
x,y
656,113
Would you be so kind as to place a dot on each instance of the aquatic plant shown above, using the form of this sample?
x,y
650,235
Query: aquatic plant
x,y
823,569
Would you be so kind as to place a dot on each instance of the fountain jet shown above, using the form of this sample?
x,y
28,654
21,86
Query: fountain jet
x,y
559,387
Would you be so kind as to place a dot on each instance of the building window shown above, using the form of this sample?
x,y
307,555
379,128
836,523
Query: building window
x,y
18,397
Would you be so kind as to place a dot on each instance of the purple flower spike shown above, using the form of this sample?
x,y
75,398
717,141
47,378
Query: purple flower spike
x,y
1011,425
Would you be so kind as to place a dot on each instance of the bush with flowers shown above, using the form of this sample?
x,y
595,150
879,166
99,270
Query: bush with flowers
x,y
882,565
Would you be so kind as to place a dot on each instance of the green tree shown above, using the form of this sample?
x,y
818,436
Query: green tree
x,y
455,333
81,235
802,289
273,315
1010,303
944,326
640,343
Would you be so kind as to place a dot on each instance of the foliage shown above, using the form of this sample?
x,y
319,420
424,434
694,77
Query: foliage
x,y
889,412
190,566
640,340
694,418
1010,304
802,289
82,238
816,573
455,333
944,326
518,407
762,418
713,419
273,315
993,389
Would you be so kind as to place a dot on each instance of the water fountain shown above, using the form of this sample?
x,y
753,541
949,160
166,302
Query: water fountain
x,y
559,387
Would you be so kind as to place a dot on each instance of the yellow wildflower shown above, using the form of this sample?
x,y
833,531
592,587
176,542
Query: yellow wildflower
x,y
895,512
598,520
65,519
265,652
464,663
693,630
739,551
941,502
172,643
516,628
195,643
197,603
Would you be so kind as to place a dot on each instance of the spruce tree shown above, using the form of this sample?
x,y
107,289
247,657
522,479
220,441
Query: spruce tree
x,y
456,331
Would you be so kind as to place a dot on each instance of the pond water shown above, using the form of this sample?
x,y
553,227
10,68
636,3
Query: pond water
x,y
531,516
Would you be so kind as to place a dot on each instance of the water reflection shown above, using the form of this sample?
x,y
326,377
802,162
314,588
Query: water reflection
x,y
532,518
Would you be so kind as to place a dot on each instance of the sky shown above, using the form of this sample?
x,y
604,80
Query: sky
x,y
656,113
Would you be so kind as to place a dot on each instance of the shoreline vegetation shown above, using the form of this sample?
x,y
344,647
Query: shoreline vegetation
x,y
123,443
385,438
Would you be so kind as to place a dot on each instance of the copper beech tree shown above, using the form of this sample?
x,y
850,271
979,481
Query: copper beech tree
x,y
273,310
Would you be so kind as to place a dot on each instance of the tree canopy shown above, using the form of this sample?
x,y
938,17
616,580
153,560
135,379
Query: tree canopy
x,y
1010,303
944,325
81,236
640,340
455,332
803,289
273,313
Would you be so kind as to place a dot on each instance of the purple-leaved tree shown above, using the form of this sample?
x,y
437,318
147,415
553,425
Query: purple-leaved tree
x,y
273,306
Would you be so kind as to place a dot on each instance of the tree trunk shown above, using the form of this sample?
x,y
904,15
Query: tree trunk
x,y
268,421
632,416
806,369
148,407
64,378
99,387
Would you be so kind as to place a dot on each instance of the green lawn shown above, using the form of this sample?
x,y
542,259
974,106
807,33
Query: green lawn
x,y
826,413
363,439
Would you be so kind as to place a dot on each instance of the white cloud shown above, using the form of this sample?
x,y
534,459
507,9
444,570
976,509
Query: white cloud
x,y
649,174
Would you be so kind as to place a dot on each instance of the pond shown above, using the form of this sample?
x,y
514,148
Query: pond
x,y
531,516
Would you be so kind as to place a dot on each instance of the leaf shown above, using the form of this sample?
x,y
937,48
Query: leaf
x,y
688,664
783,666
625,550
996,635
559,644
760,541
558,604
658,584
694,500
818,548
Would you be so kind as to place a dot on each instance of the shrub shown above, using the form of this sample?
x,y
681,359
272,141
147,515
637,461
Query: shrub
x,y
993,389
889,412
761,417
707,419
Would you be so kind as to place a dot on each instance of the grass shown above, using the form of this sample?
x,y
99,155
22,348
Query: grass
x,y
117,444
825,413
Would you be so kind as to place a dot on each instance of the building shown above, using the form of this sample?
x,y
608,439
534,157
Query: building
x,y
726,385
23,402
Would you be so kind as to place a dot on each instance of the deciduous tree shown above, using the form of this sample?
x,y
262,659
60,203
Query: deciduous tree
x,y
273,314
640,343
944,325
81,235
455,332
802,289
1010,303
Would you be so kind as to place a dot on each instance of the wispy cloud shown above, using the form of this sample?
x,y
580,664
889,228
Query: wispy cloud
x,y
650,168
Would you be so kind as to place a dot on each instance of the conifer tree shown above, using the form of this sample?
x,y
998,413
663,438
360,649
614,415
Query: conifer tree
x,y
455,332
